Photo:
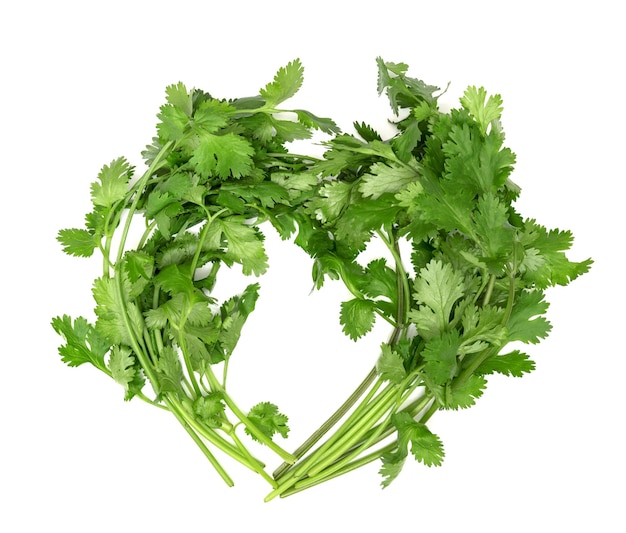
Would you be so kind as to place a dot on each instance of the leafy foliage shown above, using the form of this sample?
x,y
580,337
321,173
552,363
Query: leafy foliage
x,y
219,169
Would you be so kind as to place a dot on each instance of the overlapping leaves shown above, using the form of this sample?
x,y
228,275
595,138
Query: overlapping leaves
x,y
219,169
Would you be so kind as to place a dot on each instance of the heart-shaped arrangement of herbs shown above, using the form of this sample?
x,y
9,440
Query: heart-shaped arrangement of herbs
x,y
219,170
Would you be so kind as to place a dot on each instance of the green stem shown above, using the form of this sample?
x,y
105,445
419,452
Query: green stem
x,y
366,414
330,422
246,452
356,432
207,453
158,161
202,237
346,457
358,463
404,291
492,282
146,235
208,433
183,348
252,428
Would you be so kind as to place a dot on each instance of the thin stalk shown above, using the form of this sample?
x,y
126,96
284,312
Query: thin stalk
x,y
190,371
330,422
254,430
352,428
202,237
404,291
476,362
146,234
354,447
143,359
492,282
347,457
343,470
357,463
209,434
356,432
246,452
207,453
413,409
343,409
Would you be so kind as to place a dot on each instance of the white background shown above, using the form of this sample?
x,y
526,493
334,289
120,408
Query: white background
x,y
81,85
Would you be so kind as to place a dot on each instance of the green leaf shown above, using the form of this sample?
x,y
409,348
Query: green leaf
x,y
83,344
485,111
77,242
174,279
224,156
310,120
210,408
366,132
482,324
118,320
464,395
437,288
139,265
402,90
266,193
286,83
526,323
334,198
445,204
244,244
113,184
514,364
198,311
546,263
201,342
289,130
173,123
178,96
492,225
234,313
211,116
169,369
268,420
357,317
392,464
476,161
440,356
122,365
383,178
426,447
406,142
362,218
390,365
380,281
295,183
157,201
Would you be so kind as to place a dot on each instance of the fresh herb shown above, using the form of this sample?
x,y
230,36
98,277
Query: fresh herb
x,y
438,191
217,169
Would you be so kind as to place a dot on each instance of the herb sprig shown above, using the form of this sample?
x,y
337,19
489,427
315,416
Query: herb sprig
x,y
471,290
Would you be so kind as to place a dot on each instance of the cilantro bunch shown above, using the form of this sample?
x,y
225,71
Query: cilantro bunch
x,y
217,169
460,279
